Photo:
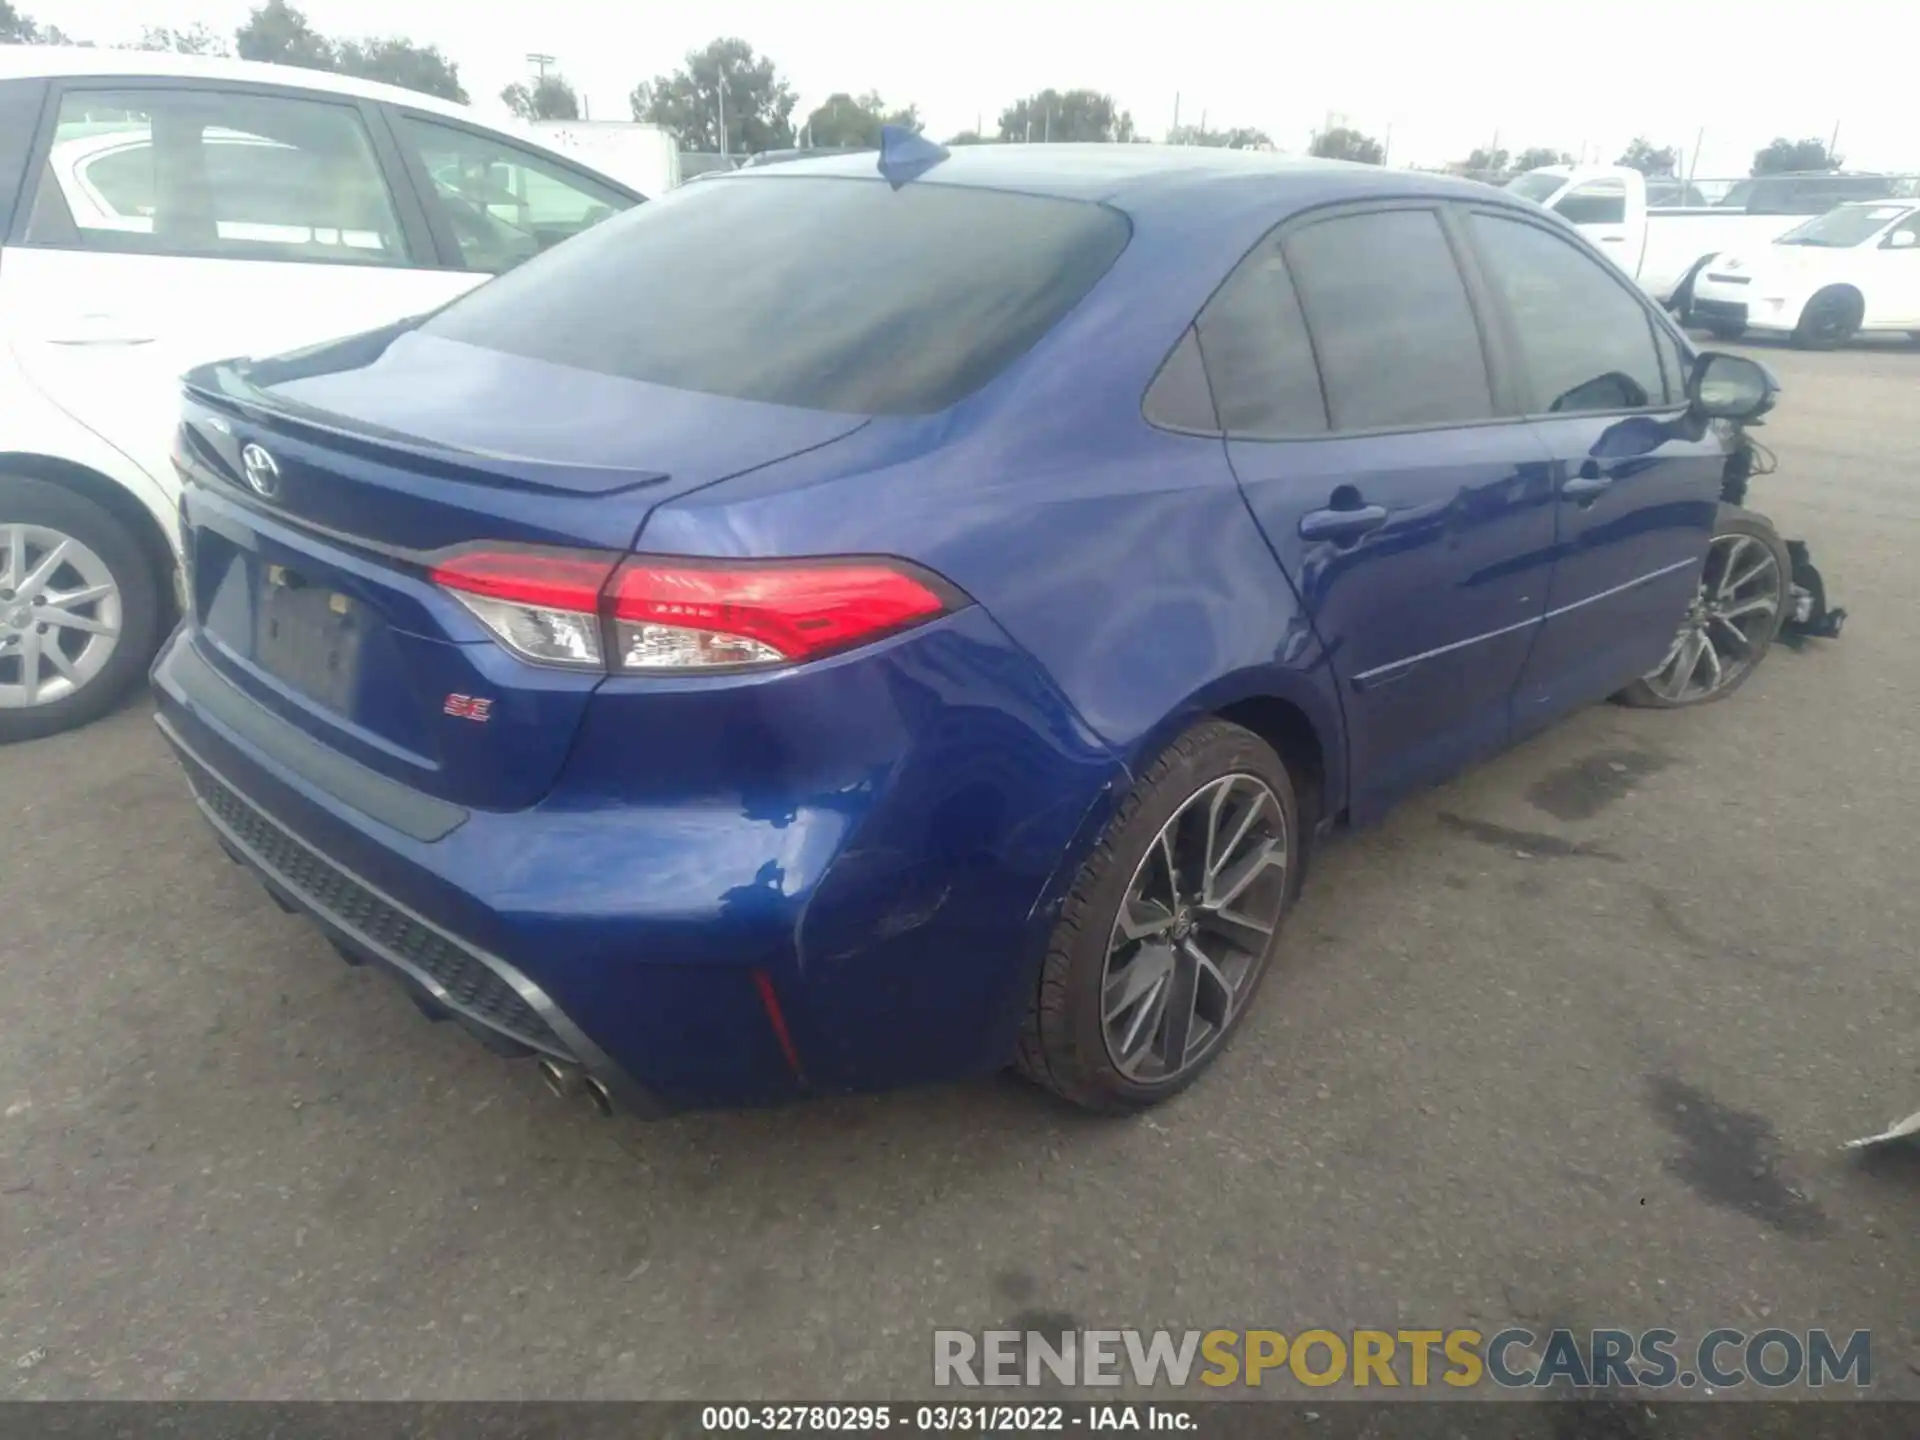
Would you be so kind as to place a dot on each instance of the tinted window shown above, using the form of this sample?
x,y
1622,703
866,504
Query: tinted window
x,y
1600,202
1179,398
1586,344
1258,355
1843,227
1390,321
191,173
504,204
834,294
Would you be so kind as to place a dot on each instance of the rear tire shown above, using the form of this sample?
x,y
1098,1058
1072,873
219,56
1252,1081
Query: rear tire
x,y
1831,318
1202,788
79,683
1724,331
1740,538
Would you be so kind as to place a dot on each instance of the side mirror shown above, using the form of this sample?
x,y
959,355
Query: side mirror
x,y
1902,240
1731,387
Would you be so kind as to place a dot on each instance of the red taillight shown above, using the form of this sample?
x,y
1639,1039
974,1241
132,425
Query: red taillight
x,y
542,605
675,616
666,615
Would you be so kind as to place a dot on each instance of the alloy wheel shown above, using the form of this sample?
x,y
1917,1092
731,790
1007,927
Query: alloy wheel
x,y
1194,928
59,615
1729,624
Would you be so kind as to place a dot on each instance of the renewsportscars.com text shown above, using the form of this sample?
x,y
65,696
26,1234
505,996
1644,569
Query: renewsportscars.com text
x,y
1514,1358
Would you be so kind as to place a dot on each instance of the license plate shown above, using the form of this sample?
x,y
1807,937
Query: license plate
x,y
308,636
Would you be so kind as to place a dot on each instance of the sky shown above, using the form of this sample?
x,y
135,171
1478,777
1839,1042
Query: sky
x,y
1433,80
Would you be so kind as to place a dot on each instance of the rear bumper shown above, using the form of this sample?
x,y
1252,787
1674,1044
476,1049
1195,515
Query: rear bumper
x,y
895,918
448,978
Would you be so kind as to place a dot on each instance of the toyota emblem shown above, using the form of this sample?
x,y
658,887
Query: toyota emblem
x,y
261,469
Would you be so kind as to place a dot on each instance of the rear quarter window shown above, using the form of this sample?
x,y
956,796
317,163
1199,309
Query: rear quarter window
x,y
20,102
825,293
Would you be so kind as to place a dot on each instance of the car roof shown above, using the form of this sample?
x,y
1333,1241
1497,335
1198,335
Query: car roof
x,y
50,62
1141,178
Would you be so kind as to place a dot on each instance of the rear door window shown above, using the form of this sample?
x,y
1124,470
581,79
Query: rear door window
x,y
215,173
1390,321
1586,342
20,102
826,293
1598,202
504,204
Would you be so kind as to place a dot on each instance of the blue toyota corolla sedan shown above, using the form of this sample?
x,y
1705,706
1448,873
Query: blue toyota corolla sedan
x,y
861,623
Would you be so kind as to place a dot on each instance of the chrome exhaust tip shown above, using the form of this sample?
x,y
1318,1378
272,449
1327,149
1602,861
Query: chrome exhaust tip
x,y
561,1078
598,1093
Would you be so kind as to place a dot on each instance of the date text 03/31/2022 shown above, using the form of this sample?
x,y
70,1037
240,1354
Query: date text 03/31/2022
x,y
982,1419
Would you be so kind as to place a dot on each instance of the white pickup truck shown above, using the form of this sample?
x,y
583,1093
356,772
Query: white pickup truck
x,y
1665,247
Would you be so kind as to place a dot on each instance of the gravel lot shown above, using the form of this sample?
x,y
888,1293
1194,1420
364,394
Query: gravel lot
x,y
1571,1040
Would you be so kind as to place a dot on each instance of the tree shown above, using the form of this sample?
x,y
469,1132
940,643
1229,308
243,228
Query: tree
x,y
401,62
968,137
758,101
550,97
1487,162
1784,156
1541,155
25,30
1075,116
1344,143
844,121
1239,138
280,35
1642,156
194,40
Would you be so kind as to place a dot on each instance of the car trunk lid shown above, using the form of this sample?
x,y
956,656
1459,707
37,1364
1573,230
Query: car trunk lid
x,y
324,487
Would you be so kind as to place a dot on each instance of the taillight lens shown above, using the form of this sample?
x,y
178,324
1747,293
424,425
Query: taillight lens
x,y
663,616
668,616
542,605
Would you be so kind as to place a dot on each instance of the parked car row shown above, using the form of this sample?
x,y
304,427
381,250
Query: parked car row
x,y
1667,247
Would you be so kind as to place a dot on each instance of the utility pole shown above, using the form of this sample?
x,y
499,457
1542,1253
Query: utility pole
x,y
1833,147
540,64
1176,116
1699,139
720,95
1386,149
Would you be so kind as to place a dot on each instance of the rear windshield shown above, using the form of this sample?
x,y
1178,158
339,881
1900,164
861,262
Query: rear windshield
x,y
826,293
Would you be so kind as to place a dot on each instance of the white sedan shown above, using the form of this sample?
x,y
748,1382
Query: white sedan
x,y
159,211
1851,271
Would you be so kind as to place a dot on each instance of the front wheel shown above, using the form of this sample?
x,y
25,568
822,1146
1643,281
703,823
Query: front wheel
x,y
1742,601
1832,318
1169,926
80,609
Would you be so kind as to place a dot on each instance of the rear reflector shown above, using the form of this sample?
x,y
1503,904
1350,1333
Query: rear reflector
x,y
661,616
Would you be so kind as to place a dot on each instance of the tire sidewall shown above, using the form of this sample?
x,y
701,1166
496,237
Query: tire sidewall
x,y
1732,520
1807,340
36,502
1225,750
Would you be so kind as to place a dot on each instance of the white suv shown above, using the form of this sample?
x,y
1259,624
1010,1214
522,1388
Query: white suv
x,y
158,211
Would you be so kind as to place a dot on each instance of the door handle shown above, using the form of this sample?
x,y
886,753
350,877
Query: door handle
x,y
1613,239
1587,486
1342,524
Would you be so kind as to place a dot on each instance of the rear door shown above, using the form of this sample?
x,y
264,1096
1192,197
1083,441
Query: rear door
x,y
170,224
1636,477
1893,293
1364,424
